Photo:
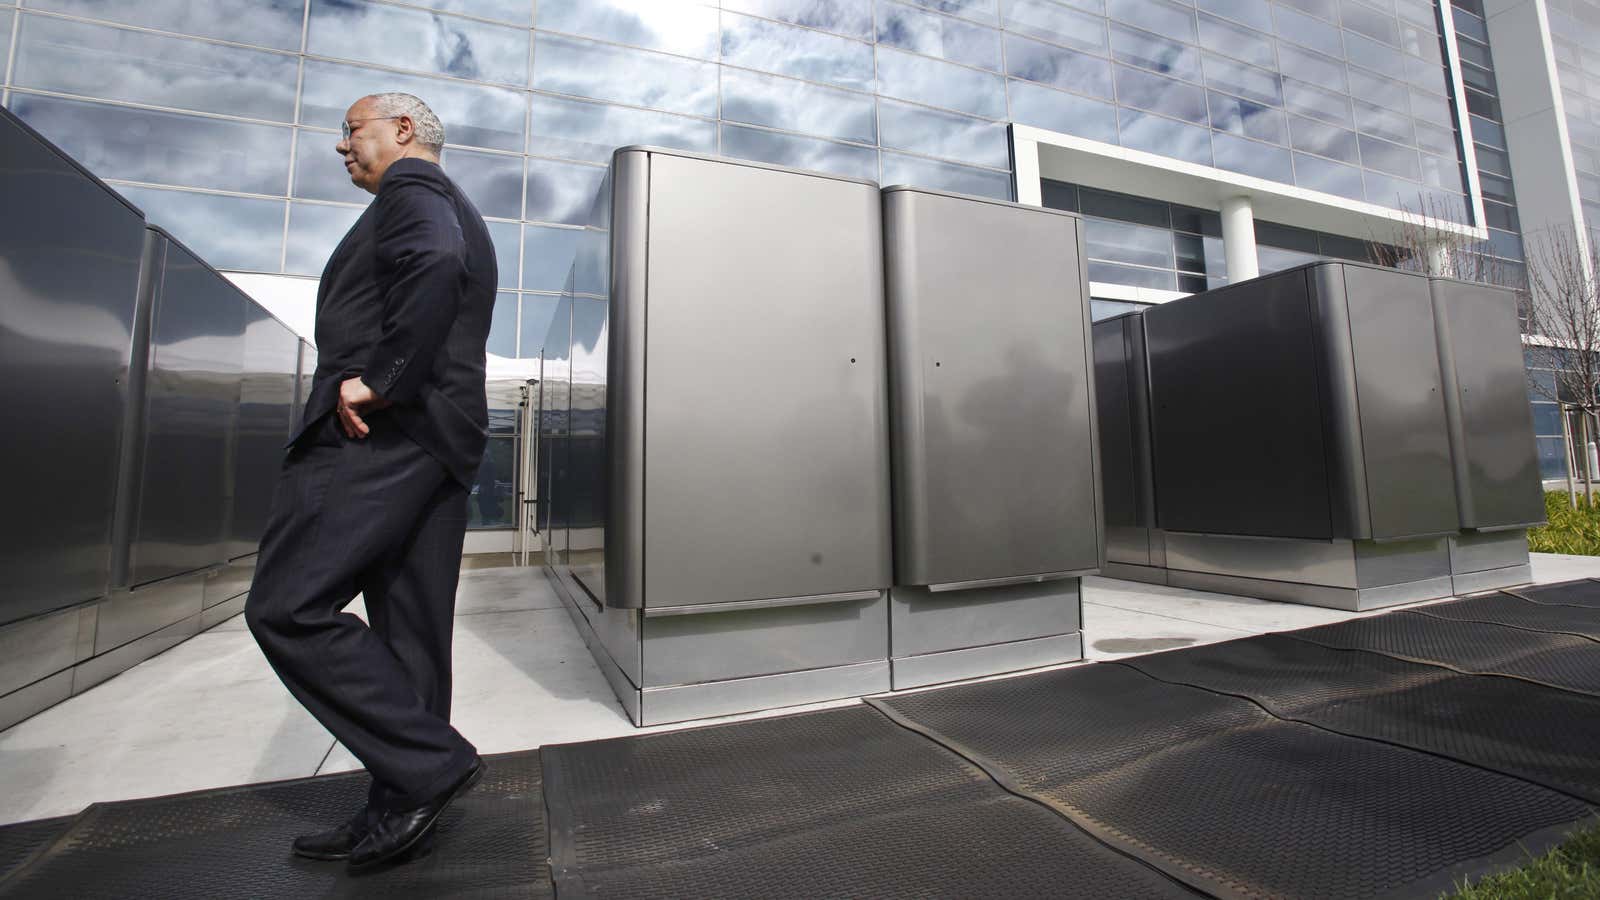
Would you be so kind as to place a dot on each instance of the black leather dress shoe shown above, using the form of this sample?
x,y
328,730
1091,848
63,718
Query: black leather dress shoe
x,y
397,833
335,844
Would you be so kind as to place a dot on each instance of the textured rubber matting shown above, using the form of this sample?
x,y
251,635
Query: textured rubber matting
x,y
841,803
1558,660
235,843
20,843
1216,791
1583,592
1505,724
1515,612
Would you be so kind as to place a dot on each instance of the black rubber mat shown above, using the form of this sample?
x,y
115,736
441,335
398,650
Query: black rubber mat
x,y
21,842
1505,724
841,803
1515,612
1241,804
1557,660
1583,592
234,842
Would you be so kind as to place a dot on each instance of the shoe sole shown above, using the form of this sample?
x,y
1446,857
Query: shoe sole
x,y
404,849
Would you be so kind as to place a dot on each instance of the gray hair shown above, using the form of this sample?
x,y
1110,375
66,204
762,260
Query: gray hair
x,y
429,130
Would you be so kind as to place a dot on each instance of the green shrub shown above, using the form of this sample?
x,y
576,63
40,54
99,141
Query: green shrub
x,y
1575,531
1572,870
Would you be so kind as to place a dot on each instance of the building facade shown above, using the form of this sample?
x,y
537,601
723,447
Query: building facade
x,y
1201,141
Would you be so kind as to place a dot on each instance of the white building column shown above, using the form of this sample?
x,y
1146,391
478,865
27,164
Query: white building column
x,y
1439,259
1239,239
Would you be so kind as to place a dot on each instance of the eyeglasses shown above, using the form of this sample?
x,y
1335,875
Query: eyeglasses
x,y
344,127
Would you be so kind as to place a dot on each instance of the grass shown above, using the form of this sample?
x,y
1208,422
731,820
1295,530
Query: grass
x,y
1568,872
1575,531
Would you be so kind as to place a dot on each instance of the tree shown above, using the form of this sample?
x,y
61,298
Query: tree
x,y
1563,315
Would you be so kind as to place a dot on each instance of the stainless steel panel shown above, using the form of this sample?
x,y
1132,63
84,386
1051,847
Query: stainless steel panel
x,y
771,603
976,662
29,701
922,621
1339,402
586,465
625,379
1492,579
994,440
1496,465
213,616
1278,559
767,473
304,373
1236,411
1404,435
128,615
266,408
192,398
1127,572
1351,599
34,648
88,674
70,252
229,581
1122,407
555,405
661,706
1398,562
723,645
613,635
1482,551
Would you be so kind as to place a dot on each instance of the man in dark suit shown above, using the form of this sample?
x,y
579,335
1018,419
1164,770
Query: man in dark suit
x,y
372,497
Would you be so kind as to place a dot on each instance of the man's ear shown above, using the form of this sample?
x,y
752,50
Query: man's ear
x,y
406,129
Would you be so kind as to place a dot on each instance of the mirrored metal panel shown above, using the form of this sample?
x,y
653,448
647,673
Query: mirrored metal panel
x,y
266,404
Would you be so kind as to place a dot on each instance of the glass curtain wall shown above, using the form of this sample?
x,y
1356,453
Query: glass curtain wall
x,y
1575,28
1489,145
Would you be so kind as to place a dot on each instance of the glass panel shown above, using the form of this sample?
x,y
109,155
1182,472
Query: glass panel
x,y
1391,158
314,231
1496,188
1111,273
1375,56
442,45
1056,24
1552,457
1370,22
163,148
1314,101
797,106
240,233
1546,418
1474,53
1504,243
517,12
1196,221
1499,215
116,64
1379,91
1125,208
504,237
1099,310
1167,137
636,77
672,26
1431,107
1049,64
591,131
1308,31
494,486
475,115
1321,175
852,18
266,23
561,192
1138,88
938,83
1324,9
1325,140
548,254
1341,247
1251,158
1167,19
1434,139
1479,78
491,181
1143,49
1276,259
1247,81
319,173
1384,123
1255,13
798,52
1470,25
1395,192
1313,67
1481,104
910,28
1252,120
899,169
797,152
503,325
1124,242
943,134
5,39
538,311
1417,12
982,10
1067,113
1423,42
1240,43
1191,252
1439,171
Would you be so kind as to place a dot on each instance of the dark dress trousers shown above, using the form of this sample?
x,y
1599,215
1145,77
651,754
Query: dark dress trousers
x,y
404,304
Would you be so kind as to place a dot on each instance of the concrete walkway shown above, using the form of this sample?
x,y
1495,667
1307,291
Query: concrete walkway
x,y
210,713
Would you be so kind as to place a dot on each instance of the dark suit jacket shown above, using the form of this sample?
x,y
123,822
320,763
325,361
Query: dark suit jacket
x,y
405,303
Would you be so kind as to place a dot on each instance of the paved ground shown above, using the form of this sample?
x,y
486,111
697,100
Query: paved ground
x,y
210,713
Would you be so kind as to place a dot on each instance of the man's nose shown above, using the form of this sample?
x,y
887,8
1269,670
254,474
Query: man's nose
x,y
342,147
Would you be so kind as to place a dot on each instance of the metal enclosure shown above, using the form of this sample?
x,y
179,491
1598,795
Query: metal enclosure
x,y
70,251
713,436
995,459
266,409
1134,546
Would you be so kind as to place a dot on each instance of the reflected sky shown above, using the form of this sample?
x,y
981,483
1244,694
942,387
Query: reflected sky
x,y
117,64
1049,64
635,77
589,131
503,325
492,181
266,23
1148,51
1255,13
475,115
163,148
798,152
443,45
1154,134
5,38
1067,113
1138,88
936,83
1384,123
561,192
314,230
942,134
240,233
548,254
1170,20
1317,103
1235,77
911,28
1390,158
799,52
1057,24
1323,139
1242,117
538,311
319,172
898,169
1248,157
852,18
987,11
797,106
1313,68
1307,31
673,26
507,239
1222,36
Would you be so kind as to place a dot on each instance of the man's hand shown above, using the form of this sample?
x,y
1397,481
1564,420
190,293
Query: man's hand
x,y
355,400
